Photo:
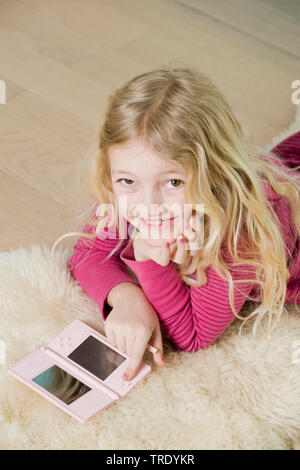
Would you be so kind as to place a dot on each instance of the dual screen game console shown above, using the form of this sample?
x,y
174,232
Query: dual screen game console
x,y
79,371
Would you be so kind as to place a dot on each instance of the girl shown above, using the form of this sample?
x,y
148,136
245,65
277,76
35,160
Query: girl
x,y
170,141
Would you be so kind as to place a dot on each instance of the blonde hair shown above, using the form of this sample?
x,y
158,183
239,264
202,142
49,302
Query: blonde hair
x,y
183,116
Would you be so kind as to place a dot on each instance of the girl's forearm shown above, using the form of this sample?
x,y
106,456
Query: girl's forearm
x,y
122,291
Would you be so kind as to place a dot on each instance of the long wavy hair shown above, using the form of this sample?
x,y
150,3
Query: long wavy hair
x,y
183,116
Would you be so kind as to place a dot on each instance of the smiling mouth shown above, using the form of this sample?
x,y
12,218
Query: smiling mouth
x,y
157,222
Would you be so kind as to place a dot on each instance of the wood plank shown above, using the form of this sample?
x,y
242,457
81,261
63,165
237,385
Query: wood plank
x,y
25,66
276,27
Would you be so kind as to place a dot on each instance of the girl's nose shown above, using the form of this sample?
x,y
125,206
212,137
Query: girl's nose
x,y
151,203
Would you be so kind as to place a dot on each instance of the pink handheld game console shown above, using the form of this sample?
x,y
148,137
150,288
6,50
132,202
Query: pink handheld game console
x,y
79,371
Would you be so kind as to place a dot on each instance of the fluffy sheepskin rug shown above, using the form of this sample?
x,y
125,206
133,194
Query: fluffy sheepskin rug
x,y
242,392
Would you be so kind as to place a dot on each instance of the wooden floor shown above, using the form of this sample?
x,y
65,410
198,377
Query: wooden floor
x,y
60,59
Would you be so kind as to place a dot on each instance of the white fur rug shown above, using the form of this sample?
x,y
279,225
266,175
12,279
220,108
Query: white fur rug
x,y
236,394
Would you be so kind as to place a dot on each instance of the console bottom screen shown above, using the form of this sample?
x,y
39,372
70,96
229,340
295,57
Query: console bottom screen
x,y
61,384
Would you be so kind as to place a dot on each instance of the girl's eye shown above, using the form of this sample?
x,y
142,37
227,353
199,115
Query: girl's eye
x,y
124,179
176,185
129,182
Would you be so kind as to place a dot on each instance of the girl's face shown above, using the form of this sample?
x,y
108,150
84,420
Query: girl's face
x,y
150,191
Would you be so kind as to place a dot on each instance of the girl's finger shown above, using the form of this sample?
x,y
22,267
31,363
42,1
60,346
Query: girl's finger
x,y
181,251
193,221
121,343
189,233
110,335
137,351
173,250
165,254
194,231
173,247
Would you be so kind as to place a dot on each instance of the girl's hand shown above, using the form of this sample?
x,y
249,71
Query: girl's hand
x,y
162,251
131,325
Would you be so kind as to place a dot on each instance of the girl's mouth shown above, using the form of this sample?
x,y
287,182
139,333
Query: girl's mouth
x,y
157,223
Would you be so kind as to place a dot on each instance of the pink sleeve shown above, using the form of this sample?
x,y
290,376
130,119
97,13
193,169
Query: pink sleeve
x,y
95,277
192,317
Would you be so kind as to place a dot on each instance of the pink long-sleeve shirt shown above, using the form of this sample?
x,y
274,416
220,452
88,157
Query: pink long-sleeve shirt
x,y
192,317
